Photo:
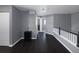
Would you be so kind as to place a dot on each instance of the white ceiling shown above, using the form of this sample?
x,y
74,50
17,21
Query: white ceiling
x,y
50,9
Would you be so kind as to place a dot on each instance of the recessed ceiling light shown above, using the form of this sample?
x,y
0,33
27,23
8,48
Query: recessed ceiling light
x,y
43,9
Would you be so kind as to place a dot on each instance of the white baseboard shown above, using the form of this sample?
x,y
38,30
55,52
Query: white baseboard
x,y
15,42
19,40
22,38
32,38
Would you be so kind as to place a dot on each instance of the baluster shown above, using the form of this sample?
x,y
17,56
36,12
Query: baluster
x,y
59,30
72,38
75,39
69,36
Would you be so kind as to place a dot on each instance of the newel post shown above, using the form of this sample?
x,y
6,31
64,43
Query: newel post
x,y
78,40
59,30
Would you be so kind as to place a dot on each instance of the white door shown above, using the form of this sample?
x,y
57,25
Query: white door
x,y
4,29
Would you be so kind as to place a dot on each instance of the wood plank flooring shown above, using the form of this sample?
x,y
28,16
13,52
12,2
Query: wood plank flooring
x,y
44,44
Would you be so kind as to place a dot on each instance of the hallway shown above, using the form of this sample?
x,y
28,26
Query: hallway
x,y
59,21
41,45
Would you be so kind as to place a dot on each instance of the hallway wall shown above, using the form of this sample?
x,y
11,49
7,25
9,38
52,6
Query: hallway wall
x,y
75,22
63,21
49,23
5,8
16,25
25,22
29,23
32,25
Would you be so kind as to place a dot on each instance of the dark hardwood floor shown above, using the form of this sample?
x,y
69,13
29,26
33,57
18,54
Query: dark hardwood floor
x,y
44,44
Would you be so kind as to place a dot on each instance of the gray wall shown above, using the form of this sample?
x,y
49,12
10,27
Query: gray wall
x,y
29,23
75,22
32,24
16,25
5,8
49,24
24,22
63,21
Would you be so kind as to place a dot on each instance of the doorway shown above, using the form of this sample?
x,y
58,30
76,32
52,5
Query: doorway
x,y
41,24
41,27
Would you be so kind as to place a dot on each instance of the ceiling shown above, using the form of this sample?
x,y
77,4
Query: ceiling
x,y
42,10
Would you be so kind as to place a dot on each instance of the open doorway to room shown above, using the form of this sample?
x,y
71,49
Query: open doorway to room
x,y
41,27
41,24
